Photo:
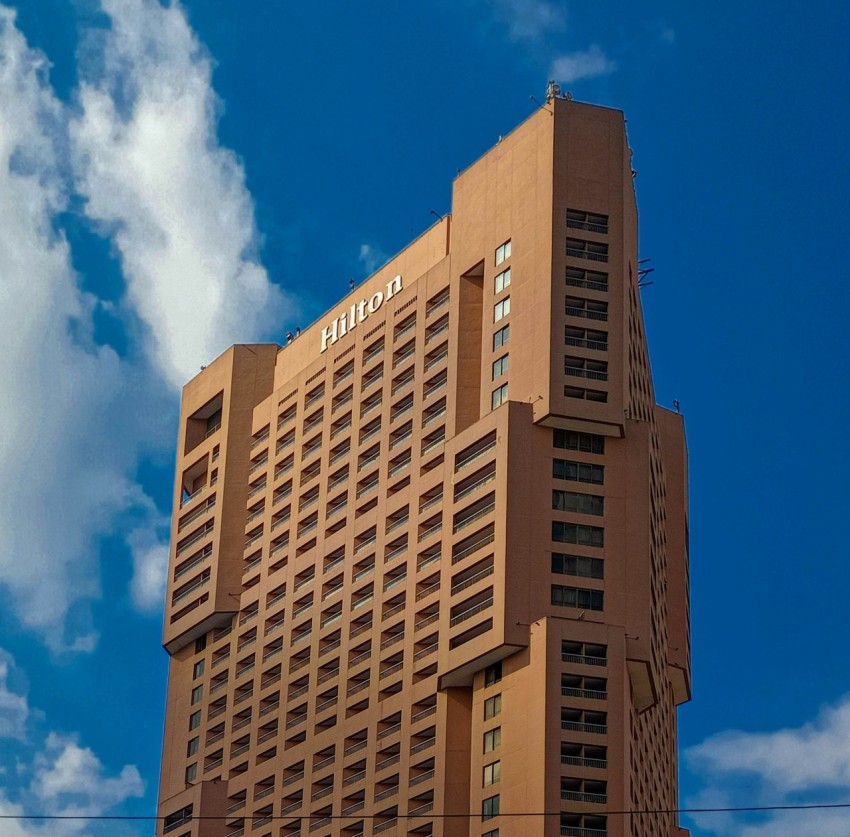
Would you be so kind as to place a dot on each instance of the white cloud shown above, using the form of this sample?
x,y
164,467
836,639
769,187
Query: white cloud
x,y
150,569
531,20
149,162
372,257
776,768
14,710
588,63
66,472
70,776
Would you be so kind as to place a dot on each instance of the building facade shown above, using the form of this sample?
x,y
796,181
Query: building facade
x,y
428,566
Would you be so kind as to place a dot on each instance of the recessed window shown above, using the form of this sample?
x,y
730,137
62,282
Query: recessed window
x,y
492,739
500,366
577,597
578,219
195,720
584,442
503,252
492,707
493,674
192,746
503,280
492,833
492,773
191,773
198,669
197,694
200,643
499,396
574,501
575,533
578,248
564,469
581,367
501,309
501,336
490,807
578,565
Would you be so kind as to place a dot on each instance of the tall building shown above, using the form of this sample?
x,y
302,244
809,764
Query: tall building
x,y
429,561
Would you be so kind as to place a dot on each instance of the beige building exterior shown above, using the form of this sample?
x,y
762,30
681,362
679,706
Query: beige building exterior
x,y
429,561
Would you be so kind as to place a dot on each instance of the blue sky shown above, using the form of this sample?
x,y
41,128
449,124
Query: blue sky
x,y
173,180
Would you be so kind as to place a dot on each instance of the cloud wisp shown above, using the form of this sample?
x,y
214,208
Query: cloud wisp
x,y
588,63
542,24
154,175
807,764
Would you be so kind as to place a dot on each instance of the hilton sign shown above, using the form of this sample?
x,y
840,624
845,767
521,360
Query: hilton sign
x,y
358,313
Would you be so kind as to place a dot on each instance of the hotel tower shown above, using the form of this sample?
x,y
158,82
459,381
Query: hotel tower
x,y
429,560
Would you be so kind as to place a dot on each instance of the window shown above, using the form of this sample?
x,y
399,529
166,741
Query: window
x,y
492,739
192,746
584,442
191,773
593,279
586,338
501,336
574,533
200,643
581,367
590,309
493,833
492,773
198,669
578,565
499,396
492,707
576,597
197,694
503,280
503,252
578,248
580,220
490,807
501,309
573,501
493,674
500,366
565,469
195,720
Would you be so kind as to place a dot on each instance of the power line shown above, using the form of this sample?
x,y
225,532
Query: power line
x,y
430,814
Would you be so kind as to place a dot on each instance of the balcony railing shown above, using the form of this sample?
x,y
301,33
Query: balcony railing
x,y
465,521
575,796
468,582
584,660
468,614
576,726
592,694
471,457
578,761
585,373
587,313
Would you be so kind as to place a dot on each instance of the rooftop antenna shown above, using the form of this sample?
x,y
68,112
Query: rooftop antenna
x,y
553,90
549,98
643,272
351,284
676,404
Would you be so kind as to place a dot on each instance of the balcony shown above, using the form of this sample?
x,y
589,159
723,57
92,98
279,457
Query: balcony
x,y
470,612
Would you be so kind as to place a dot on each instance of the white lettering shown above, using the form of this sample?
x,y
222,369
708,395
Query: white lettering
x,y
329,335
358,312
394,287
